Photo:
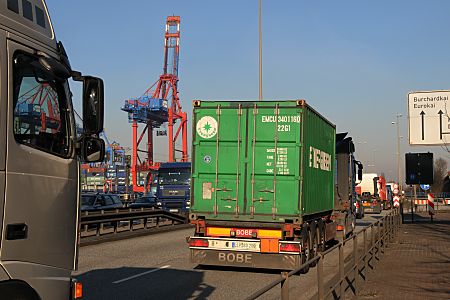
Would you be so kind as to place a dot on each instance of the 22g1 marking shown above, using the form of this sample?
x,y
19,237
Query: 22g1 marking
x,y
284,128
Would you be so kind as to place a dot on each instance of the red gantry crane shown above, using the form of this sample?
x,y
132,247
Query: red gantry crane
x,y
157,106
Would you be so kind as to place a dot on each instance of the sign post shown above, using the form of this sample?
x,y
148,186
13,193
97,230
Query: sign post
x,y
430,205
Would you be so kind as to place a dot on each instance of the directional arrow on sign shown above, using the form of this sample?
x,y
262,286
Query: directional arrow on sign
x,y
440,123
423,125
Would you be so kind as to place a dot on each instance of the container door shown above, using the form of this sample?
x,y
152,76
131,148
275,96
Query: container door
x,y
274,152
247,160
219,159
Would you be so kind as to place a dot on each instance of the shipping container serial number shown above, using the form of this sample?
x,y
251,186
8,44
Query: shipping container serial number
x,y
281,119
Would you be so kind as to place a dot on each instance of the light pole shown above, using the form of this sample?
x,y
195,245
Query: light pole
x,y
398,152
260,50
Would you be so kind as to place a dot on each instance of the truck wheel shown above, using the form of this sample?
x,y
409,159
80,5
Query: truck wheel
x,y
306,247
314,238
320,237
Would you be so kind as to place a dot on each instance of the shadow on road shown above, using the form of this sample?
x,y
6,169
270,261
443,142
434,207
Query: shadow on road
x,y
237,269
144,283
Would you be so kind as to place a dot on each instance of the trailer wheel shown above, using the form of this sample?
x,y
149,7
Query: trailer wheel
x,y
321,236
306,247
314,238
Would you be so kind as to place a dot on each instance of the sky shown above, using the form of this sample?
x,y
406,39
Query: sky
x,y
353,61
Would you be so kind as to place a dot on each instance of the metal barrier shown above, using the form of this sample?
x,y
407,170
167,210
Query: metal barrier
x,y
114,218
382,232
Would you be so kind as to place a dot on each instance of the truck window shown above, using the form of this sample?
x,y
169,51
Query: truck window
x,y
40,107
181,178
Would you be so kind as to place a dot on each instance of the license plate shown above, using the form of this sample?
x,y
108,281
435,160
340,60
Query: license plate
x,y
173,210
234,245
368,209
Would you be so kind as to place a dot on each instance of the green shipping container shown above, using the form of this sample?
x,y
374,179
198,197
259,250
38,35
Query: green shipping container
x,y
268,161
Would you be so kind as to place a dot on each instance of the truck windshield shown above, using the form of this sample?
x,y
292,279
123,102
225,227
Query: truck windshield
x,y
179,178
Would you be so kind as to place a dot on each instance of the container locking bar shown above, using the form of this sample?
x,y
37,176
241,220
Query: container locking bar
x,y
276,137
255,113
238,161
218,112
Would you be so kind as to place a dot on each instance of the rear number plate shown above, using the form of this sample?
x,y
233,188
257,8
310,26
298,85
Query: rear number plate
x,y
234,245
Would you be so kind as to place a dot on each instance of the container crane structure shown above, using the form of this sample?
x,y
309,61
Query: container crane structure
x,y
159,105
40,103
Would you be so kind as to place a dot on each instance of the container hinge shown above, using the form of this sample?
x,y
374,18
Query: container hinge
x,y
236,210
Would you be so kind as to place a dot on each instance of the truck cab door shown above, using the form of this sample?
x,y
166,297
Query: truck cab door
x,y
41,198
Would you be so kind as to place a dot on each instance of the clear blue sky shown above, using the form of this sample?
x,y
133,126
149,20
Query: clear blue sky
x,y
353,61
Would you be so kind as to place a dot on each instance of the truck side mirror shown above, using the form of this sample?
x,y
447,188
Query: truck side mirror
x,y
359,173
92,149
93,105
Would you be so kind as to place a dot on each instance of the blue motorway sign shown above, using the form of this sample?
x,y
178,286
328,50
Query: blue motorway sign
x,y
425,187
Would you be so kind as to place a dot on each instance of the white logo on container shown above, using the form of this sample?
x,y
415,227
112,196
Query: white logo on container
x,y
207,127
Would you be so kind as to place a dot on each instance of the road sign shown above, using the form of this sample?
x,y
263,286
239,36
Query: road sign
x,y
395,191
396,186
396,201
429,117
430,204
425,187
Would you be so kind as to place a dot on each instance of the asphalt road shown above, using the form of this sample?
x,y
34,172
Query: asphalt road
x,y
157,267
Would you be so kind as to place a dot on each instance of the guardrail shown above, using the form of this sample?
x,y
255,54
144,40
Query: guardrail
x,y
109,224
382,232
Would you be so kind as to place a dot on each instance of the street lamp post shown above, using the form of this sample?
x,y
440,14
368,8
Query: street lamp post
x,y
398,152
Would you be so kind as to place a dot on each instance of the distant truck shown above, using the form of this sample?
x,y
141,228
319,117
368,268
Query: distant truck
x,y
173,186
40,154
263,188
372,189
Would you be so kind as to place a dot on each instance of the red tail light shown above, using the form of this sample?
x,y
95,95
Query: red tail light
x,y
357,205
285,247
374,202
198,243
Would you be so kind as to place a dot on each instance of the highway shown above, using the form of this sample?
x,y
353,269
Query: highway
x,y
157,267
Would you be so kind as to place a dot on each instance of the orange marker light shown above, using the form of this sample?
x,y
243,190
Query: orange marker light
x,y
77,290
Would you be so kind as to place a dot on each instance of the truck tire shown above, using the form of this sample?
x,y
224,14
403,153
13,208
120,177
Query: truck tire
x,y
321,236
314,241
17,290
306,247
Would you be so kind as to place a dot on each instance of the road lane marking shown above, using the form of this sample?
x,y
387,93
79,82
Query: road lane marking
x,y
141,274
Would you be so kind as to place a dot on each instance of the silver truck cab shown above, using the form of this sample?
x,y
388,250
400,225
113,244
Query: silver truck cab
x,y
39,154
